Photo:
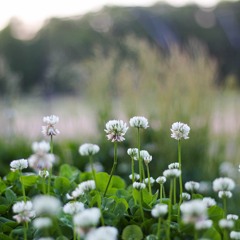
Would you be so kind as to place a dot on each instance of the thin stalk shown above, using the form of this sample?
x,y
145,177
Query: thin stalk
x,y
224,207
50,170
93,170
195,234
25,231
174,192
133,176
149,184
141,207
23,190
74,234
161,192
139,158
180,168
159,228
113,167
170,209
225,234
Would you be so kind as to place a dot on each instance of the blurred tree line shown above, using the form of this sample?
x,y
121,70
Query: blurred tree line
x,y
49,62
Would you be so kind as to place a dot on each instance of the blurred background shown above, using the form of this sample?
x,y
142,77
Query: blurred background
x,y
168,61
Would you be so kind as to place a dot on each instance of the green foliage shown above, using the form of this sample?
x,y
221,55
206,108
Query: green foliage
x,y
132,232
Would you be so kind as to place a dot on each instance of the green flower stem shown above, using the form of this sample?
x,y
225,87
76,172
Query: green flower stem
x,y
25,228
195,235
149,184
141,207
225,234
50,170
170,209
139,158
174,192
159,228
93,170
224,207
180,168
74,234
133,176
113,167
23,189
161,192
44,186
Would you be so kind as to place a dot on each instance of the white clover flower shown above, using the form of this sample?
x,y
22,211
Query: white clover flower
x,y
24,211
235,235
41,162
174,165
151,180
136,176
224,194
43,204
49,129
73,208
193,211
97,166
205,187
147,158
133,152
116,129
43,173
161,180
172,173
186,196
82,188
227,169
223,184
103,233
88,149
209,202
139,186
180,130
139,122
159,210
192,186
41,147
232,217
203,224
42,222
18,164
87,218
226,224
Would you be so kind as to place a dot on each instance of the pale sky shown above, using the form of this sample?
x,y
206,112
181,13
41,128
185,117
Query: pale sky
x,y
32,13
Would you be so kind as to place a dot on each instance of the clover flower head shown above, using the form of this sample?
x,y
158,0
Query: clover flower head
x,y
193,211
203,224
43,173
223,184
116,129
192,186
174,165
43,204
42,222
103,233
73,208
186,196
42,147
235,235
209,201
136,176
226,224
133,153
147,158
172,173
50,129
159,210
161,180
18,164
139,186
180,130
139,122
87,218
224,194
146,180
227,169
232,217
41,162
24,211
88,149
